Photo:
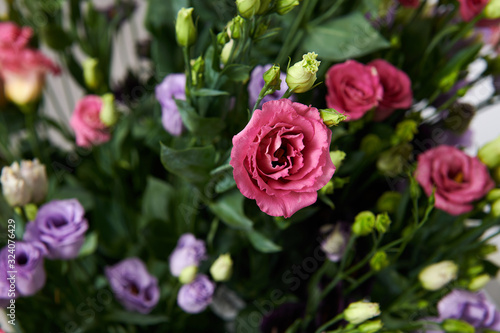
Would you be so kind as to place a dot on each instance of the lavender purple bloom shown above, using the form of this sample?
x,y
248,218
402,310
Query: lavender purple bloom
x,y
188,252
133,286
257,83
171,88
197,295
472,308
30,275
59,229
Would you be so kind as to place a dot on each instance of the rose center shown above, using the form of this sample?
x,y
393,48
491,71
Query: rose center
x,y
459,177
280,154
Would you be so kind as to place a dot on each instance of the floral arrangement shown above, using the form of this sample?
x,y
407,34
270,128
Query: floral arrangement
x,y
281,166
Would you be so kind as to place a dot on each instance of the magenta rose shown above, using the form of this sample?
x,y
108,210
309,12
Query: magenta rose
x,y
459,179
397,89
410,3
353,88
87,124
281,158
471,8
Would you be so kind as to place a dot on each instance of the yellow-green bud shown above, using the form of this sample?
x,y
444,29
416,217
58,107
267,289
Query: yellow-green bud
x,y
405,132
331,117
371,144
487,249
222,37
264,6
437,275
222,268
495,173
285,6
379,261
479,282
302,75
226,51
188,274
457,326
493,195
364,223
388,202
234,27
272,79
495,208
248,8
448,81
371,326
474,269
492,9
91,74
337,157
108,114
358,312
382,222
393,161
185,30
30,210
328,188
197,69
489,154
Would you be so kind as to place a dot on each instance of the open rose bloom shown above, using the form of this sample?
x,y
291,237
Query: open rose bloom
x,y
87,124
281,158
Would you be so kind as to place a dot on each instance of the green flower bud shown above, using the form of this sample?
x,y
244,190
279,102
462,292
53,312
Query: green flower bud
x,y
393,161
331,117
475,268
438,275
302,75
389,202
448,81
495,173
272,79
405,132
108,114
479,282
264,6
382,222
489,154
226,51
248,8
197,69
261,29
492,9
285,6
328,188
235,27
379,261
222,37
364,223
371,326
91,74
222,268
487,249
371,144
188,274
337,157
457,326
358,312
185,30
493,195
495,208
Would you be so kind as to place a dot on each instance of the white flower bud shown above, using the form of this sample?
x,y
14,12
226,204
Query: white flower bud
x,y
302,75
188,274
358,312
35,176
437,275
14,188
222,268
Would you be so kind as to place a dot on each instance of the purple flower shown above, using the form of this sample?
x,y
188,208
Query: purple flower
x,y
133,286
188,252
472,308
59,228
197,295
171,88
28,265
335,240
257,83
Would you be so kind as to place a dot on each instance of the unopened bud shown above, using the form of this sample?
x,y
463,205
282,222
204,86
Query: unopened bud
x,y
91,74
335,240
492,9
457,326
222,268
108,114
337,157
185,30
405,132
235,27
371,326
272,78
371,144
382,222
388,202
379,261
302,75
285,6
479,282
331,117
197,69
489,154
264,6
24,183
392,162
364,223
188,274
248,8
358,312
226,51
437,275
495,208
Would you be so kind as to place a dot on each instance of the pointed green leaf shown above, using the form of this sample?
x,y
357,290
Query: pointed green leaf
x,y
262,243
229,208
196,124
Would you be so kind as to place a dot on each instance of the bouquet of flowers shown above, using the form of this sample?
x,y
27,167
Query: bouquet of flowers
x,y
274,166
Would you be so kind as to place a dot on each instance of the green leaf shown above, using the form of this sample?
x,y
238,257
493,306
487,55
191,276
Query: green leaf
x,y
192,164
262,243
89,246
156,202
237,72
55,37
342,38
206,127
229,208
204,92
135,318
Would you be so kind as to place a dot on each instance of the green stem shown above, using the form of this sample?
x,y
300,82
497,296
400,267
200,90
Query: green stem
x,y
330,12
189,78
330,323
287,93
32,136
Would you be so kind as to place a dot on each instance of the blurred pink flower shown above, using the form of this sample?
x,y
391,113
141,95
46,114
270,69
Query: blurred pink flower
x,y
86,122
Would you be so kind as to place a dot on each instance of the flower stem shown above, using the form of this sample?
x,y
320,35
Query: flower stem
x,y
330,323
287,93
189,78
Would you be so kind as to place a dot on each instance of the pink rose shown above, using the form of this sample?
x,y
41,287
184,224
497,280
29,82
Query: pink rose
x,y
281,158
397,89
87,124
410,3
12,36
353,88
459,179
471,8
